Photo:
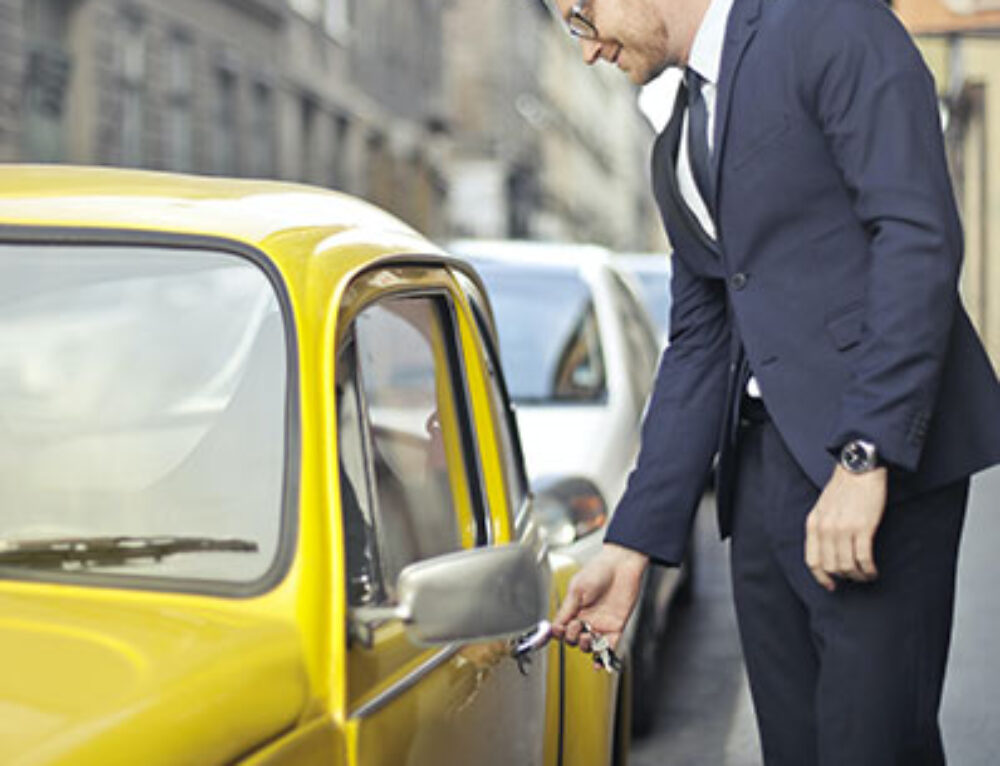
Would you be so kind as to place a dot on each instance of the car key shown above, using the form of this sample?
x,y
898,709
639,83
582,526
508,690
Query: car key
x,y
604,655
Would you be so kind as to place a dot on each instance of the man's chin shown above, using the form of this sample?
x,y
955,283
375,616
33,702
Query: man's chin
x,y
640,77
643,76
650,74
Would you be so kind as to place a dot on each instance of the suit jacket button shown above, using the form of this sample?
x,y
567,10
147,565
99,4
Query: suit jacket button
x,y
738,280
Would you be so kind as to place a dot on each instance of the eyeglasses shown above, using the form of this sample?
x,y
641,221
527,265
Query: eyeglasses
x,y
579,25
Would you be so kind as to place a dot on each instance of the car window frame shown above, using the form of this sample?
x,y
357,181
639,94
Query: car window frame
x,y
509,415
274,575
379,684
351,309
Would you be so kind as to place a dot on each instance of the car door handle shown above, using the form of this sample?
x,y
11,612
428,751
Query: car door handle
x,y
523,646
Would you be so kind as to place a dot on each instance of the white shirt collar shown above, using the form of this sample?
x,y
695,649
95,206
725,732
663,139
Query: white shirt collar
x,y
706,50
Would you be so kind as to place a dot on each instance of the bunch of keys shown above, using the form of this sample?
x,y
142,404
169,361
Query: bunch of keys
x,y
604,655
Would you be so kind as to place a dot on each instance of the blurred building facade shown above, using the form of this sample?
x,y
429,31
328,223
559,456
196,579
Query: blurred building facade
x,y
365,81
960,40
143,84
463,117
544,147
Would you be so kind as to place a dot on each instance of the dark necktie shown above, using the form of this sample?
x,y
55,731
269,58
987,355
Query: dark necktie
x,y
701,162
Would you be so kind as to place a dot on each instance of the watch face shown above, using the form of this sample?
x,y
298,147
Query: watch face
x,y
857,457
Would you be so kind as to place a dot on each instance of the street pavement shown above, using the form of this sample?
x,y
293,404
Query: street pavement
x,y
704,716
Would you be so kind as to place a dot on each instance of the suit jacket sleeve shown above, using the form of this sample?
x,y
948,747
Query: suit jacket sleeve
x,y
681,428
875,101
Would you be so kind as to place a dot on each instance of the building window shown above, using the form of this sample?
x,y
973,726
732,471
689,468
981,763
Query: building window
x,y
130,66
380,180
308,116
262,131
224,143
180,102
46,80
339,153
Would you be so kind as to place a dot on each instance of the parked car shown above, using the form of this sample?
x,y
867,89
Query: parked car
x,y
263,493
581,354
651,272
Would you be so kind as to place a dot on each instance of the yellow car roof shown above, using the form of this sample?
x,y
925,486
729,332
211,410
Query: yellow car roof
x,y
248,210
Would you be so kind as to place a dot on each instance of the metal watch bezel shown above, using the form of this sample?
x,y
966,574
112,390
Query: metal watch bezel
x,y
859,456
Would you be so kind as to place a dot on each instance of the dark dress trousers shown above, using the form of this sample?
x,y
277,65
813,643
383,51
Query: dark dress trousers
x,y
834,280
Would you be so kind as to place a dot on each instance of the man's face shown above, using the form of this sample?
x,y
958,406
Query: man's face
x,y
630,34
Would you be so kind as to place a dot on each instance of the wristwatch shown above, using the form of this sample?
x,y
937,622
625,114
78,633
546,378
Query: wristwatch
x,y
859,456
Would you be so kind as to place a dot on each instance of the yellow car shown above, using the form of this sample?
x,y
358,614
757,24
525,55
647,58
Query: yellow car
x,y
263,500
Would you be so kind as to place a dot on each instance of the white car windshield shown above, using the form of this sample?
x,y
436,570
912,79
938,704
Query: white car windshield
x,y
654,289
142,412
550,341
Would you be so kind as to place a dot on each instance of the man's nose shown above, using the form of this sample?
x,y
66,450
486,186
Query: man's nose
x,y
591,51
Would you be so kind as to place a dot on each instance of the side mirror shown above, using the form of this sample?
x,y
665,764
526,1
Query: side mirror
x,y
567,509
472,595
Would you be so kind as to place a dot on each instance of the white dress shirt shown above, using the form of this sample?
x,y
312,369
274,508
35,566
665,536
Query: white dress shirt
x,y
706,60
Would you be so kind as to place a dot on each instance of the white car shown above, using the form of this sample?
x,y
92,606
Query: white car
x,y
580,353
651,272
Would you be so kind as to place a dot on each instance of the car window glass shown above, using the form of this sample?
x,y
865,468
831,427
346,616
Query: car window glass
x,y
364,575
654,289
549,335
417,437
142,395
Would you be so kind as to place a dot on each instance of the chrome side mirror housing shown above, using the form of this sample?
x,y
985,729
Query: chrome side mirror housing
x,y
472,595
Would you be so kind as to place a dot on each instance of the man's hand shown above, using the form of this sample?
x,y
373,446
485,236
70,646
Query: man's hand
x,y
840,529
602,594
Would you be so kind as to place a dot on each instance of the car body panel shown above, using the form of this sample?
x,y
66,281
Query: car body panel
x,y
590,696
601,446
271,675
134,673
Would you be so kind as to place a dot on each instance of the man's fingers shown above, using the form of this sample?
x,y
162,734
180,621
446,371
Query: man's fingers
x,y
865,556
828,549
840,529
847,566
823,578
572,631
814,552
567,612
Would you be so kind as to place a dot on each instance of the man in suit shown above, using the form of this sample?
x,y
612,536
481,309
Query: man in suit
x,y
818,348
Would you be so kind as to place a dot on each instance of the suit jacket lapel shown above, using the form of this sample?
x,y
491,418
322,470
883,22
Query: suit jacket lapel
x,y
740,30
665,185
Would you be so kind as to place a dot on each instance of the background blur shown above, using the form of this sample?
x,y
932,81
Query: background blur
x,y
471,118
463,117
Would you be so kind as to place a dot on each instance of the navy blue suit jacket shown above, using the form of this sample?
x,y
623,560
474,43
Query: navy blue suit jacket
x,y
836,269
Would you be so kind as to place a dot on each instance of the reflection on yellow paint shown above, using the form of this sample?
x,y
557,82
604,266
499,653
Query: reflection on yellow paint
x,y
483,658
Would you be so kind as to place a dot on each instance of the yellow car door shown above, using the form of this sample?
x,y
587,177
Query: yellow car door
x,y
420,477
584,724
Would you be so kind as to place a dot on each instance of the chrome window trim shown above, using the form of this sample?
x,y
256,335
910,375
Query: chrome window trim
x,y
404,684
